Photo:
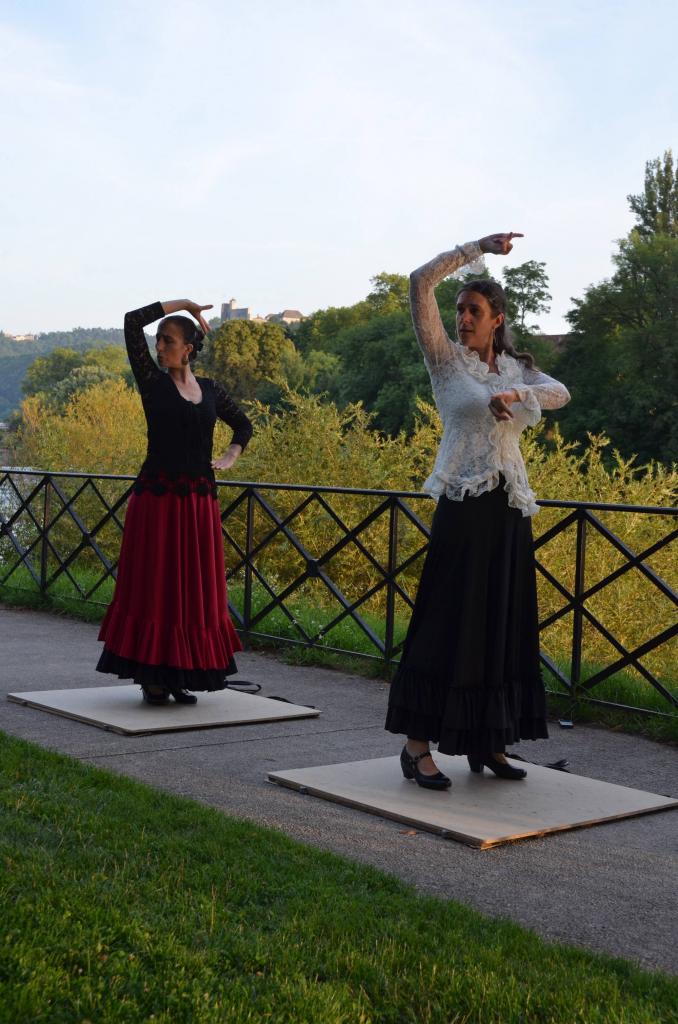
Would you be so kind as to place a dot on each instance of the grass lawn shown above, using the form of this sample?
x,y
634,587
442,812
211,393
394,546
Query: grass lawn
x,y
123,904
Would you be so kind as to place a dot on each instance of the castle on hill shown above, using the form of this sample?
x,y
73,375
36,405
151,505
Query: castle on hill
x,y
288,317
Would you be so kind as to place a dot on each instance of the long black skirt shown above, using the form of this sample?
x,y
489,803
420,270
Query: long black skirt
x,y
469,678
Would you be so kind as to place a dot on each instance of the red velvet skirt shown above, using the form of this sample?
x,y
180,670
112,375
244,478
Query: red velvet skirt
x,y
168,624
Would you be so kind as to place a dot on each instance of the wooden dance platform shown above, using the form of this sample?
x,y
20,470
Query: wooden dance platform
x,y
121,709
479,810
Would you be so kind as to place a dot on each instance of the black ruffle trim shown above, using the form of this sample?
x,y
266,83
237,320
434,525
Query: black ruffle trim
x,y
467,719
181,484
166,676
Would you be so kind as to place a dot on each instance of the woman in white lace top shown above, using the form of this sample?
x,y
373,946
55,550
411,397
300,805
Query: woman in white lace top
x,y
469,678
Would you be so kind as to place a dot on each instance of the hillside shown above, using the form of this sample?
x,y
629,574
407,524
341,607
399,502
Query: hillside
x,y
17,356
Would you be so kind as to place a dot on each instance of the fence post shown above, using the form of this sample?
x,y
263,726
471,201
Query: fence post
x,y
390,583
249,544
44,548
578,615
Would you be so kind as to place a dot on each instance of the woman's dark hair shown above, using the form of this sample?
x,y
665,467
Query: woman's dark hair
x,y
192,334
496,296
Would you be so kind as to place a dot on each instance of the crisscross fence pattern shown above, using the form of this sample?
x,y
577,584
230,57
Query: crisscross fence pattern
x,y
338,568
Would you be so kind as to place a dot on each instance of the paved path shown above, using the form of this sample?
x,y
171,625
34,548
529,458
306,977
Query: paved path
x,y
610,888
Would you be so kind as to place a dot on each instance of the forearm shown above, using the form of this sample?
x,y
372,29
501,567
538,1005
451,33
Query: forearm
x,y
539,387
428,325
174,306
441,266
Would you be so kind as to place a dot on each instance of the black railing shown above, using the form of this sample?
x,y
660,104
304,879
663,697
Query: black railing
x,y
306,562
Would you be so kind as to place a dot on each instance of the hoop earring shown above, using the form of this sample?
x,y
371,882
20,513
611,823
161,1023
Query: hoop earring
x,y
495,343
184,360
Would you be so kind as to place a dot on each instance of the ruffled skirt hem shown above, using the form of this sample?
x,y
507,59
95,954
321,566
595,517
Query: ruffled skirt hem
x,y
166,677
150,642
463,720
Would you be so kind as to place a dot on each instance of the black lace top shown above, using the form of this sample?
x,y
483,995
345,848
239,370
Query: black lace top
x,y
180,432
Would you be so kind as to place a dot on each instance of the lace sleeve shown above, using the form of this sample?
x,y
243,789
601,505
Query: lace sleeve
x,y
144,369
232,414
541,392
428,325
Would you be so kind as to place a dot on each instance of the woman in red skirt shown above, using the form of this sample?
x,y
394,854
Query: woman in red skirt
x,y
168,626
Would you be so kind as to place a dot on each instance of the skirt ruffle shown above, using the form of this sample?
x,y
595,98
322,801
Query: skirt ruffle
x,y
168,624
469,678
164,676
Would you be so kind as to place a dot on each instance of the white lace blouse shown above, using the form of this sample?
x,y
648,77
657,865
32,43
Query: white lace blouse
x,y
475,447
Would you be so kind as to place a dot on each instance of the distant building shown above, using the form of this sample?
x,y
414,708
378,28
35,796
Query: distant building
x,y
21,337
288,317
230,312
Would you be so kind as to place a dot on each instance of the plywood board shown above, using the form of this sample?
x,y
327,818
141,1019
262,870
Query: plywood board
x,y
479,810
121,709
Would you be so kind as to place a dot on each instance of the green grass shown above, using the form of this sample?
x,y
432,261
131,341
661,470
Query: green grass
x,y
122,904
622,688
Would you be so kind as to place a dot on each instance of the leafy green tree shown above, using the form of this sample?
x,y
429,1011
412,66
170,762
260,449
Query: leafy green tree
x,y
383,369
64,371
621,363
526,288
656,207
79,379
322,329
390,294
46,371
246,355
108,357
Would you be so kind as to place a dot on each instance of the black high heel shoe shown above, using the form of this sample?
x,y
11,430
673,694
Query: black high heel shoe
x,y
477,762
154,698
409,765
184,697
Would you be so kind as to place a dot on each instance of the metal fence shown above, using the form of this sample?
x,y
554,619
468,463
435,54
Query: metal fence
x,y
337,569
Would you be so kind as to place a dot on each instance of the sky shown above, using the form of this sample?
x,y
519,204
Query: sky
x,y
283,152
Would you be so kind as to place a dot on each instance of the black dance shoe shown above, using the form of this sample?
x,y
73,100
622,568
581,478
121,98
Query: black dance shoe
x,y
155,698
184,697
410,769
502,770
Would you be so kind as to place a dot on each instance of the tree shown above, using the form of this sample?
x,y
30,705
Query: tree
x,y
526,288
46,371
79,379
383,369
322,328
245,354
390,294
656,207
101,429
64,371
621,362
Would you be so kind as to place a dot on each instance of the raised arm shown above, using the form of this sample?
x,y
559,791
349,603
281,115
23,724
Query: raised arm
x,y
428,325
141,361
